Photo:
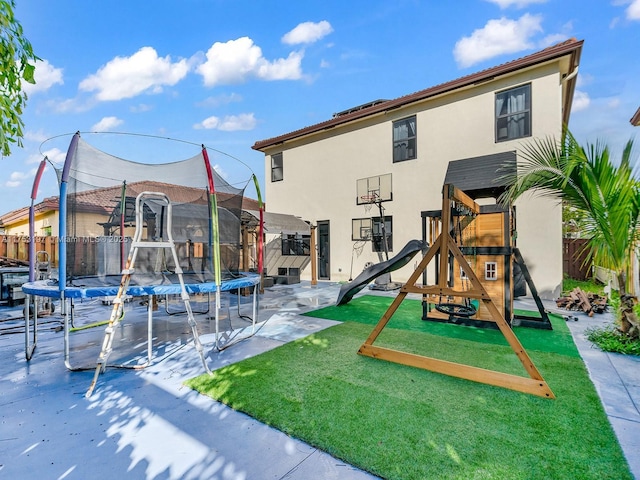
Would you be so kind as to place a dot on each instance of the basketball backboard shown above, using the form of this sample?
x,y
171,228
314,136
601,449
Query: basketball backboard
x,y
374,189
361,229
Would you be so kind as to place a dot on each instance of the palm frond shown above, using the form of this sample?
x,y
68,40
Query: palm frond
x,y
585,177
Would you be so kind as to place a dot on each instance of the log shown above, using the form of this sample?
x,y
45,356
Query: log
x,y
584,302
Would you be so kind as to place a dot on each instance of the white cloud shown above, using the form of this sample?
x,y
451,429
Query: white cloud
x,y
633,11
36,136
553,39
126,77
231,123
55,155
237,60
515,3
613,103
45,75
68,105
141,108
220,171
33,158
581,101
106,124
224,99
17,178
497,37
307,32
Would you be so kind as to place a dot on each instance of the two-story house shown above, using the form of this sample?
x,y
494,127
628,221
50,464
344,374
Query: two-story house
x,y
403,149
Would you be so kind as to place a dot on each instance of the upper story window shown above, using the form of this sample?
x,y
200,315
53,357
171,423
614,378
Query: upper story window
x,y
404,139
513,113
277,173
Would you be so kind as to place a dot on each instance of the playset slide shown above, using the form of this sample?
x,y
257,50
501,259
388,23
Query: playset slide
x,y
348,290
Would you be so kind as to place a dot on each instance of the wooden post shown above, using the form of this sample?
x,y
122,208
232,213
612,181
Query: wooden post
x,y
245,249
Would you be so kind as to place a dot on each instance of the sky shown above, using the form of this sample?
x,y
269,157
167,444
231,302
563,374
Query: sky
x,y
171,75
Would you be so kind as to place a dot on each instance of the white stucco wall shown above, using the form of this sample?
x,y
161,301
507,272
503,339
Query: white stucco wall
x,y
320,174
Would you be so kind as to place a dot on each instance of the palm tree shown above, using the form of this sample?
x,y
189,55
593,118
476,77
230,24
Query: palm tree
x,y
587,180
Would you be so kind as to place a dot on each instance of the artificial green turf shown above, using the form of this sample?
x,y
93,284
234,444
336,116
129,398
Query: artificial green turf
x,y
400,422
370,308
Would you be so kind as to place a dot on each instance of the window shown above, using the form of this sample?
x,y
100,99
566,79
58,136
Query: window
x,y
46,231
379,234
513,113
404,139
296,244
360,229
277,173
490,271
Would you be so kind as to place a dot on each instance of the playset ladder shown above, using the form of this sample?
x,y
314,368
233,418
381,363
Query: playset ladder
x,y
118,302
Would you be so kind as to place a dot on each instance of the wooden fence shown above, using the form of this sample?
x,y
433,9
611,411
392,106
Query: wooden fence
x,y
17,247
573,257
87,256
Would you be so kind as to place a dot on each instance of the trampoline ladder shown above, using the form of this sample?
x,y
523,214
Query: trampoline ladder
x,y
118,302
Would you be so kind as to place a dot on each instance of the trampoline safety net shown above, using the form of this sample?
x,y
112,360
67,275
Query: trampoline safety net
x,y
98,192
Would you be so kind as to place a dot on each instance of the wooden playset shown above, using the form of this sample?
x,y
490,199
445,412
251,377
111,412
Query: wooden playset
x,y
458,292
487,241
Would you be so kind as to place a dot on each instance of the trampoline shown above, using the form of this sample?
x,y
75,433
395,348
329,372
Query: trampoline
x,y
100,218
88,288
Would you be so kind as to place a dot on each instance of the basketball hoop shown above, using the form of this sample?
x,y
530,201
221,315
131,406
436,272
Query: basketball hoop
x,y
368,201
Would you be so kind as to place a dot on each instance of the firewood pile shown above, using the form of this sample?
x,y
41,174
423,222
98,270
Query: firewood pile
x,y
586,302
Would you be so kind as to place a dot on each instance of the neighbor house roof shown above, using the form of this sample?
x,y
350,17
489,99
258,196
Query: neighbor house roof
x,y
103,200
571,47
47,205
635,120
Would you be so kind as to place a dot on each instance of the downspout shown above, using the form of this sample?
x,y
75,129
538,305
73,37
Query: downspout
x,y
566,107
571,75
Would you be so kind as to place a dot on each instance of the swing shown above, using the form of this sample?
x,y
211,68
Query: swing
x,y
465,310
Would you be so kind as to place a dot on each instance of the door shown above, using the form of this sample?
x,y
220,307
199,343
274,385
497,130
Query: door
x,y
323,251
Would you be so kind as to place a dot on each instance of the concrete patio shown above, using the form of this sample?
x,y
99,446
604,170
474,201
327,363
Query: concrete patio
x,y
145,424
